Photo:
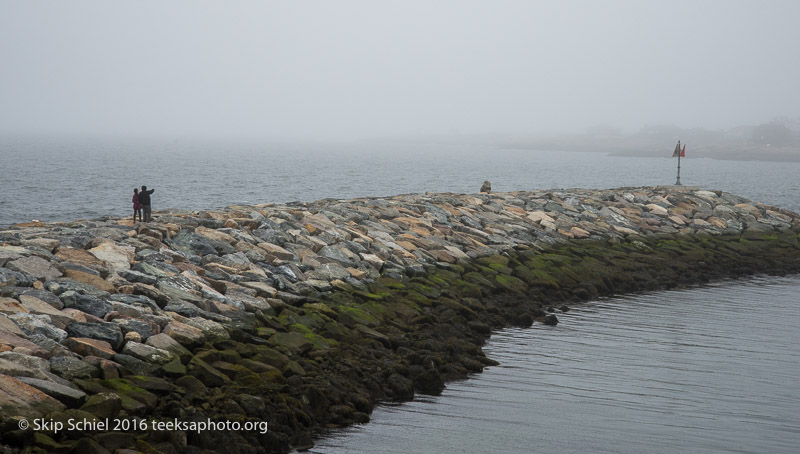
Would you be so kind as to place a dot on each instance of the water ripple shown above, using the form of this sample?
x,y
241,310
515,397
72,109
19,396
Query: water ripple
x,y
713,369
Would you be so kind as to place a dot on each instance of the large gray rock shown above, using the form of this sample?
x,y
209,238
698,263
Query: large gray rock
x,y
6,256
141,301
135,365
191,243
70,368
89,304
138,276
167,343
273,236
329,272
127,325
340,254
185,309
109,332
65,285
48,297
36,267
21,365
20,399
185,334
36,306
237,261
70,396
213,331
146,353
32,324
118,257
10,277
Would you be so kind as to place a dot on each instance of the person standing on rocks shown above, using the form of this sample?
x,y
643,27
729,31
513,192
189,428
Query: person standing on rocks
x,y
144,200
137,207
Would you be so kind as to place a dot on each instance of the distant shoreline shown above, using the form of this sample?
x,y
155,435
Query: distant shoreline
x,y
719,152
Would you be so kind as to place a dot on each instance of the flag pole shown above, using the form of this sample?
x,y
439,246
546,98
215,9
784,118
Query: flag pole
x,y
678,182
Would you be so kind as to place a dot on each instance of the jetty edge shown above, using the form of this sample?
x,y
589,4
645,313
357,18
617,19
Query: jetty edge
x,y
305,315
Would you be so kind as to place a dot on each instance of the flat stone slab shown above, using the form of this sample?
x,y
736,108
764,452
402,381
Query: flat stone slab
x,y
85,346
20,399
146,353
35,266
69,396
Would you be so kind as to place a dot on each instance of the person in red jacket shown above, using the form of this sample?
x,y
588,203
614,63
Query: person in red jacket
x,y
137,207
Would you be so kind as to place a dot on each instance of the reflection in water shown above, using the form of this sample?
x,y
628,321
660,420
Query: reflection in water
x,y
712,369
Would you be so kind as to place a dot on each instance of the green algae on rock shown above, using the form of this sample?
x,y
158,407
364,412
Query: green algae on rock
x,y
306,315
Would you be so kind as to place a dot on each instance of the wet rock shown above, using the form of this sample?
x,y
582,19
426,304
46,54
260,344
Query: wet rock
x,y
206,373
192,385
292,342
103,405
429,382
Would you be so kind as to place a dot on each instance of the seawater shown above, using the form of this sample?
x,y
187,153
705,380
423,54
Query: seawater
x,y
713,369
706,370
69,179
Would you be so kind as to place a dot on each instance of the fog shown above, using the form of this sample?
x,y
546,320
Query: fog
x,y
324,70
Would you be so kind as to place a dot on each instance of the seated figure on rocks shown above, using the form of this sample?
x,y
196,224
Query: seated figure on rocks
x,y
486,187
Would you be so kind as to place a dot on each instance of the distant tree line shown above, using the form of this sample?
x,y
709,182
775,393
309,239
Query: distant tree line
x,y
777,133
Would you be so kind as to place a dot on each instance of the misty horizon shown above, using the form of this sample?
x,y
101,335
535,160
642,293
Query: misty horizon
x,y
357,70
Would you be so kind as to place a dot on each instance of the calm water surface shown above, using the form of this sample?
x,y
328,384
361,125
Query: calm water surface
x,y
715,369
712,369
53,180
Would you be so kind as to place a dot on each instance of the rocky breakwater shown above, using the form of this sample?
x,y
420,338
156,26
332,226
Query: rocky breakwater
x,y
305,315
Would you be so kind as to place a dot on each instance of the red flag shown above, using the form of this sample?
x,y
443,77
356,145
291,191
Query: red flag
x,y
683,152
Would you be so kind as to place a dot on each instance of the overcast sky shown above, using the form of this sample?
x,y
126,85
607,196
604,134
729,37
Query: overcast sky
x,y
358,69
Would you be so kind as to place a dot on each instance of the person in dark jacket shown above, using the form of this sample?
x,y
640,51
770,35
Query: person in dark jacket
x,y
137,207
144,201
